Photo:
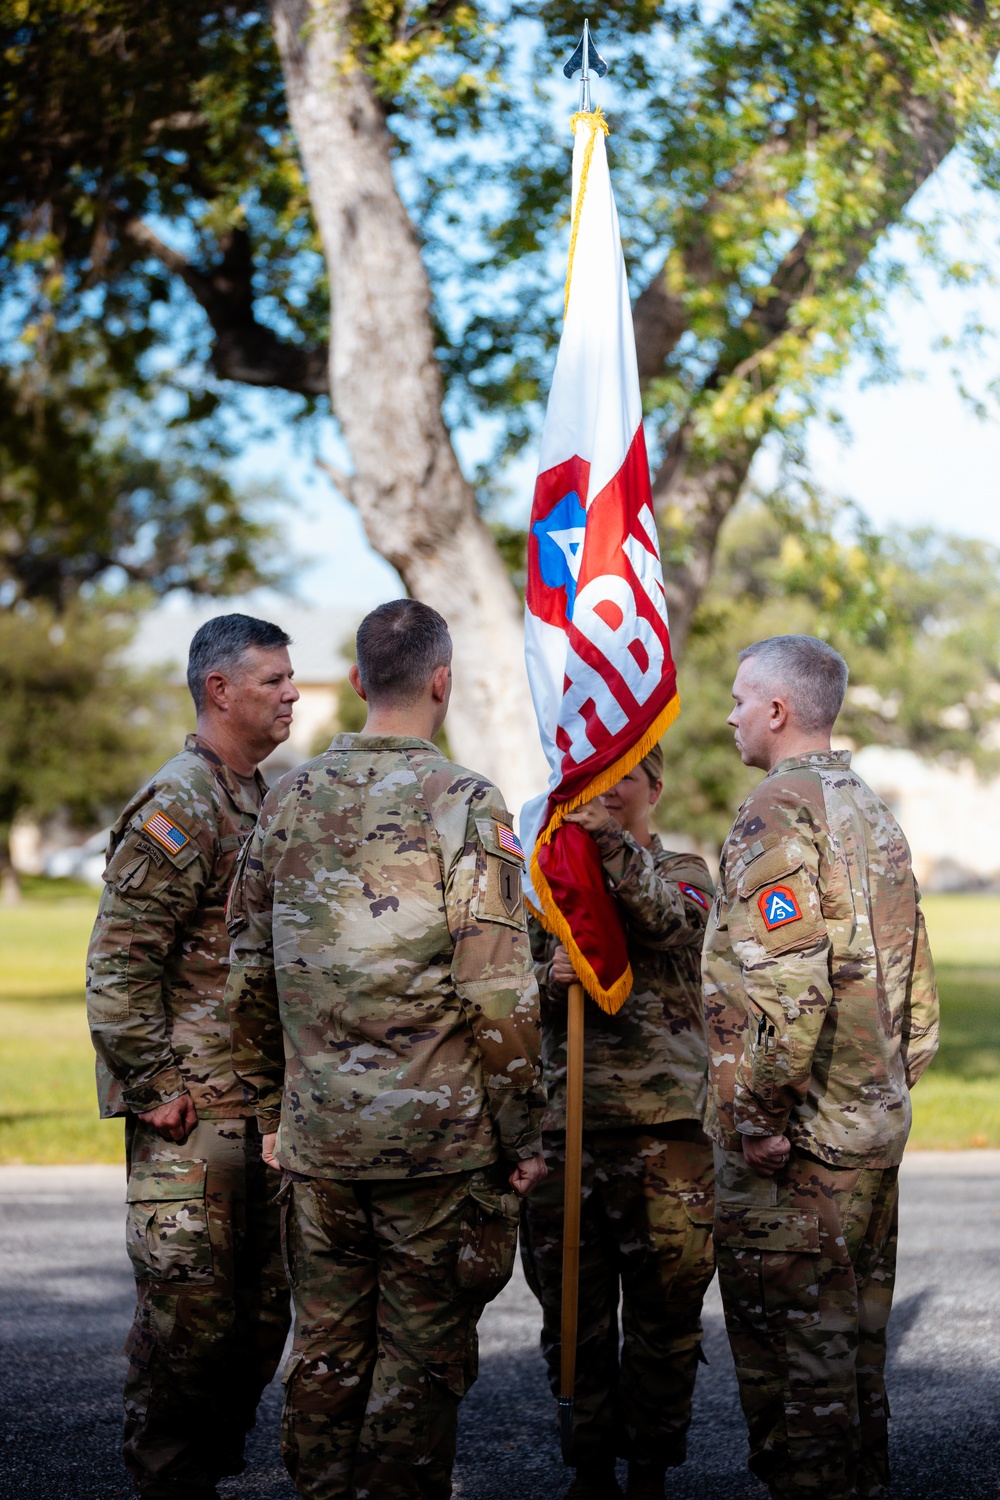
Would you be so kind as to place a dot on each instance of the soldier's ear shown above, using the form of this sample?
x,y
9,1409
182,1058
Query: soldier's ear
x,y
779,716
217,690
354,678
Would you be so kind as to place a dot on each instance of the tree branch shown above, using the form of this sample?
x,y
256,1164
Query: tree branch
x,y
243,348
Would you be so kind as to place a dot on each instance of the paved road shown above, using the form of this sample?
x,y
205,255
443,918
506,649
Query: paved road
x,y
66,1303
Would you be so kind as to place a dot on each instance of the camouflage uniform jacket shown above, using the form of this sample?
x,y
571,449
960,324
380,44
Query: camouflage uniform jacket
x,y
382,996
159,954
647,1064
820,997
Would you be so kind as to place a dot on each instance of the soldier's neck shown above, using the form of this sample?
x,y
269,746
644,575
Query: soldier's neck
x,y
237,756
415,721
794,746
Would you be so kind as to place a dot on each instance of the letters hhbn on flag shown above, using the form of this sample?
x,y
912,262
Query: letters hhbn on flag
x,y
596,638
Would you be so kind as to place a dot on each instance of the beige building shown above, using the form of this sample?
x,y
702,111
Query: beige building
x,y
321,651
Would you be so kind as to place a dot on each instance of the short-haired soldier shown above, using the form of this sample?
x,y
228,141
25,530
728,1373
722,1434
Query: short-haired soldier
x,y
385,1012
203,1235
822,1014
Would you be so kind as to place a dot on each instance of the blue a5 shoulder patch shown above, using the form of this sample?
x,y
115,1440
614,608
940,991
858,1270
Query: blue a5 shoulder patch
x,y
778,906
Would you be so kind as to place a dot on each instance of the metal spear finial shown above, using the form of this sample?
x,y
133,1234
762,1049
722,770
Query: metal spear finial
x,y
586,57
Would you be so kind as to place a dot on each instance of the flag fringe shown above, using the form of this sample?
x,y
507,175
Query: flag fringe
x,y
595,119
610,1000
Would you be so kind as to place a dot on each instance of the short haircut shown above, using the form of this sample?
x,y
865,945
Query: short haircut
x,y
220,644
400,645
808,672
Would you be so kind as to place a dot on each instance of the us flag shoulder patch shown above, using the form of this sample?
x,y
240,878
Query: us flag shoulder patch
x,y
508,839
166,833
697,896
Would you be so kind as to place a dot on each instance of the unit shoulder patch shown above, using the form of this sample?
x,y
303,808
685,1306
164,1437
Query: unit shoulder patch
x,y
693,894
778,905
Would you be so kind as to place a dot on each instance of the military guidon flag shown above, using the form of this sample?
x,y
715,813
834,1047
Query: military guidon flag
x,y
596,640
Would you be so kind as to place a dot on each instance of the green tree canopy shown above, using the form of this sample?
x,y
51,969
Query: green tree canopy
x,y
915,613
79,730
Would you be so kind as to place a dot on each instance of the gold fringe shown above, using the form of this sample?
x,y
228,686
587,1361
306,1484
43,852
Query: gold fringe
x,y
610,1000
595,119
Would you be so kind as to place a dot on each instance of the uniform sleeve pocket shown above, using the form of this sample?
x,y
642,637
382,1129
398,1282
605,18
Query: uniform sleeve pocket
x,y
167,1225
499,893
487,1240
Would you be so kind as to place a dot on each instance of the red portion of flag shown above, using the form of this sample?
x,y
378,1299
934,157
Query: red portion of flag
x,y
572,869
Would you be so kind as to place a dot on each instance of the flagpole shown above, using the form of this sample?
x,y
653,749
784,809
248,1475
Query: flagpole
x,y
571,1217
585,58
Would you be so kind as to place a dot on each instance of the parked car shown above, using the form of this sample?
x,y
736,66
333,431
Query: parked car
x,y
80,861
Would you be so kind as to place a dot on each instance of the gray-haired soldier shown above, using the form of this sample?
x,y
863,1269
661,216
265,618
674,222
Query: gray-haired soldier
x,y
822,1013
203,1234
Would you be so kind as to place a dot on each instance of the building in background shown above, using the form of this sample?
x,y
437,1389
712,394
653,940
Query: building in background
x,y
950,817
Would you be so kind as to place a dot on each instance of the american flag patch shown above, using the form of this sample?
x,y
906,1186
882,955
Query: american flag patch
x,y
160,828
509,840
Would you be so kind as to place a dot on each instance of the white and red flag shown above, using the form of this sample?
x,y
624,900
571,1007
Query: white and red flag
x,y
596,638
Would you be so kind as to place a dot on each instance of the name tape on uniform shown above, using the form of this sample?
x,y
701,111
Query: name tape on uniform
x,y
508,840
166,833
778,906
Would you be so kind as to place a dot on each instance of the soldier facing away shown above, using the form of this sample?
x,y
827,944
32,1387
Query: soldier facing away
x,y
646,1211
203,1233
822,1014
385,1012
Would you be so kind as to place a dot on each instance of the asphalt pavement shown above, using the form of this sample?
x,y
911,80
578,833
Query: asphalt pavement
x,y
66,1299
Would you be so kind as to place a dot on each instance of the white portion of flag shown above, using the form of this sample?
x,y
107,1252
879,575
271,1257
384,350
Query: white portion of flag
x,y
594,407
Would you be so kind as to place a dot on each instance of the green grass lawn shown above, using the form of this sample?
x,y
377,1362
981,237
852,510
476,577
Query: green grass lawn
x,y
47,1104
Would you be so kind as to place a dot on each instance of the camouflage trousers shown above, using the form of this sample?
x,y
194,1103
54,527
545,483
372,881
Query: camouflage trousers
x,y
807,1262
389,1279
646,1228
213,1308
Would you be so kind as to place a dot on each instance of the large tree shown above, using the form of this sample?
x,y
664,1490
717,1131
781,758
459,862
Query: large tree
x,y
762,153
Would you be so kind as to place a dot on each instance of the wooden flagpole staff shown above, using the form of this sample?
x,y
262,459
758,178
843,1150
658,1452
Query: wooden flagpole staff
x,y
585,58
571,1217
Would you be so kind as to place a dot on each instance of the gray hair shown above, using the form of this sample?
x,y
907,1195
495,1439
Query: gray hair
x,y
400,644
220,645
812,676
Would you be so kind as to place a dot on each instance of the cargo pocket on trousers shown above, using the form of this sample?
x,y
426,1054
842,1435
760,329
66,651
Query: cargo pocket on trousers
x,y
167,1227
778,1250
487,1240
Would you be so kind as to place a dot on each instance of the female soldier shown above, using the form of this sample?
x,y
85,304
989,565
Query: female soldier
x,y
646,1225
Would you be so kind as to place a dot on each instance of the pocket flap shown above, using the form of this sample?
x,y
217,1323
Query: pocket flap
x,y
504,1205
166,1181
496,838
773,864
779,1230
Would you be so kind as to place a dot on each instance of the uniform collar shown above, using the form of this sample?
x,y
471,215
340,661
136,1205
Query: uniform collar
x,y
822,760
372,742
226,774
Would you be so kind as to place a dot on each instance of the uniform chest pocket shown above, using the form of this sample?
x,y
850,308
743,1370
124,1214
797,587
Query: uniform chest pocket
x,y
167,1229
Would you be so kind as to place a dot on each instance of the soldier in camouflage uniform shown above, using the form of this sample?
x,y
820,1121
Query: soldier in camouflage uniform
x,y
647,1165
822,1014
384,1010
203,1233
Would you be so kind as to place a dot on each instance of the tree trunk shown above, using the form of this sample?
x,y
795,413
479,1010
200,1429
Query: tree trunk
x,y
386,388
10,883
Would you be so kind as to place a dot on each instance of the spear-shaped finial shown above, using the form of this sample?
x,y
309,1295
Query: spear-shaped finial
x,y
586,57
